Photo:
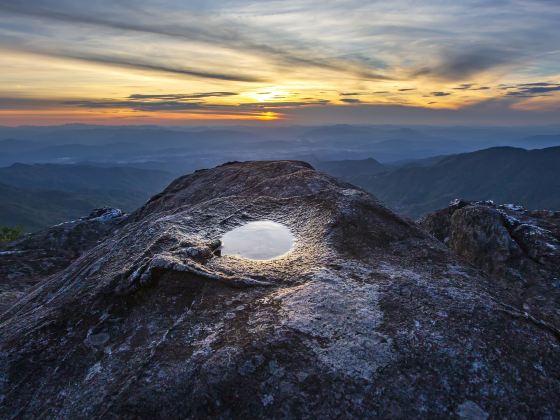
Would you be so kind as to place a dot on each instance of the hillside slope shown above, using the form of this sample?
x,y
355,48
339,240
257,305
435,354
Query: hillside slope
x,y
40,195
34,210
504,174
346,169
83,177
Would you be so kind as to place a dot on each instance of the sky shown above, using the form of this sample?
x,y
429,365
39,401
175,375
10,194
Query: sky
x,y
494,62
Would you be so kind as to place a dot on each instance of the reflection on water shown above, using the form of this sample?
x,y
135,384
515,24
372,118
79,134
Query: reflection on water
x,y
262,240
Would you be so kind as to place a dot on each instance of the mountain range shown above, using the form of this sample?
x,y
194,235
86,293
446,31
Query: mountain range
x,y
530,178
181,149
413,169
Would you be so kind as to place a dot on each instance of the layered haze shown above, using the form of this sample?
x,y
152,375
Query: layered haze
x,y
52,174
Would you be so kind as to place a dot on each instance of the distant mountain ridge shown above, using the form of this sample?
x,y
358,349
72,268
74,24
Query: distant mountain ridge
x,y
50,193
34,209
345,169
505,174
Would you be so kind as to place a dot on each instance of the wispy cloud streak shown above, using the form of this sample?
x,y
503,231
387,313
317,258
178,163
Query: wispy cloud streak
x,y
205,32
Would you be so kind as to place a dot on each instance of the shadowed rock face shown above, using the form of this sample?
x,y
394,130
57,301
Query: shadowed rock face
x,y
26,261
367,316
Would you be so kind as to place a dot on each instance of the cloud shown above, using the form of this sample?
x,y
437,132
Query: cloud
x,y
287,104
464,86
158,102
142,63
351,101
464,63
223,34
178,96
537,84
440,93
533,89
470,86
139,105
186,102
26,103
406,89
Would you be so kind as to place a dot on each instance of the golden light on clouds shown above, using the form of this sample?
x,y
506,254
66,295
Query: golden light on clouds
x,y
265,62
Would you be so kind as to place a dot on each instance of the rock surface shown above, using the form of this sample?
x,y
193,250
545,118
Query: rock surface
x,y
368,316
26,261
518,249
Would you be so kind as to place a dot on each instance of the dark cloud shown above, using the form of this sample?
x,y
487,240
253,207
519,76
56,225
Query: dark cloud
x,y
286,104
158,102
349,94
470,86
25,103
538,84
141,63
181,102
139,105
177,96
464,86
406,89
533,89
351,101
466,63
542,89
440,93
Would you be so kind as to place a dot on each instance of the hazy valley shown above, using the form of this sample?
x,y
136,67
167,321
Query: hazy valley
x,y
54,174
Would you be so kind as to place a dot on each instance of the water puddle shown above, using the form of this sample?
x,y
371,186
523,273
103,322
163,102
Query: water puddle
x,y
262,240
